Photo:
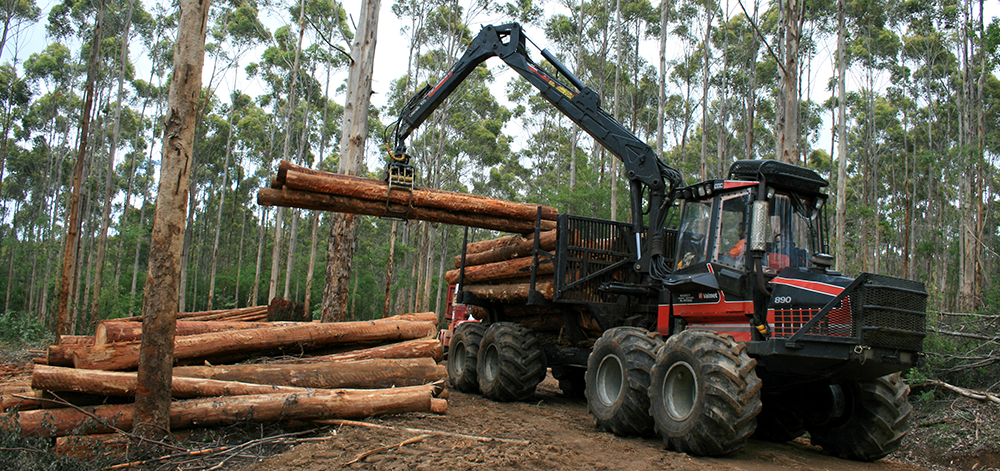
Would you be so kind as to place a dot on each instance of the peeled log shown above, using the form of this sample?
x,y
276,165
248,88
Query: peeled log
x,y
114,383
517,249
246,342
500,270
110,331
346,204
512,293
364,374
317,181
207,412
429,348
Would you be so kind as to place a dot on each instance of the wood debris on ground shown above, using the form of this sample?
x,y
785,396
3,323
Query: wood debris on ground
x,y
233,366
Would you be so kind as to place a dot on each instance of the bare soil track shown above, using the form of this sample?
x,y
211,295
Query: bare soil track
x,y
561,435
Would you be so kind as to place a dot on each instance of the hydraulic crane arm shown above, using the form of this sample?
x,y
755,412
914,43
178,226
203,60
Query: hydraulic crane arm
x,y
582,105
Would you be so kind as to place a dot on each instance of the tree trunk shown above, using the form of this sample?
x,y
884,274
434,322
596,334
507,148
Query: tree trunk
x,y
155,358
355,131
73,227
842,135
222,202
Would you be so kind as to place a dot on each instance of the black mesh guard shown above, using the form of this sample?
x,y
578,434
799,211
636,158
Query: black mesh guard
x,y
778,174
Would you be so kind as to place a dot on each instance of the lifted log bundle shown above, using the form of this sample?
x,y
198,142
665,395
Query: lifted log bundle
x,y
302,187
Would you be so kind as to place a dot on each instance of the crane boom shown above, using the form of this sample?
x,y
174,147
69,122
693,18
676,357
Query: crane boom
x,y
643,168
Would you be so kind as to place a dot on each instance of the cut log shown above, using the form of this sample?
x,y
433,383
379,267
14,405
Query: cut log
x,y
76,340
512,293
439,406
364,374
247,342
345,204
62,355
422,348
114,383
211,315
521,247
207,412
111,331
306,179
516,268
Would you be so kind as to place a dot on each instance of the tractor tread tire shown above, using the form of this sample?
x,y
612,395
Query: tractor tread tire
x,y
629,413
877,424
520,362
723,409
465,344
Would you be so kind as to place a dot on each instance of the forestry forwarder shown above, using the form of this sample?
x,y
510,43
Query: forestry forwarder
x,y
728,325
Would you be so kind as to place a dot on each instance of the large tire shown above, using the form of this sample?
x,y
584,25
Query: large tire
x,y
462,357
618,380
874,422
705,393
511,362
572,380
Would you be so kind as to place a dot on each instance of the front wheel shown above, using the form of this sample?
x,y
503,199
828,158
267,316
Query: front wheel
x,y
511,362
874,422
618,379
705,394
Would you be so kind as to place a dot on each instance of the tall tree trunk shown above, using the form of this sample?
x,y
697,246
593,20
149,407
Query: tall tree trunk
x,y
159,312
254,298
788,127
340,249
842,134
102,242
706,46
73,228
222,203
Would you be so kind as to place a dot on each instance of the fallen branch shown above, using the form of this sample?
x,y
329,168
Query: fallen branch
x,y
969,393
418,438
965,335
355,423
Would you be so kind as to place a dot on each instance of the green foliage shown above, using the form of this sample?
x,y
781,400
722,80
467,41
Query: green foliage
x,y
19,453
22,328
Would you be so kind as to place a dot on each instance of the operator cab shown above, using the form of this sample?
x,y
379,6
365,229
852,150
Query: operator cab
x,y
716,219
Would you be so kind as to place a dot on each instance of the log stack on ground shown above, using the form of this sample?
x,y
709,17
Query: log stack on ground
x,y
302,187
383,366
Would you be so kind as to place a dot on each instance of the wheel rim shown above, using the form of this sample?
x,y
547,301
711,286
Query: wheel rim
x,y
491,364
680,391
610,378
459,358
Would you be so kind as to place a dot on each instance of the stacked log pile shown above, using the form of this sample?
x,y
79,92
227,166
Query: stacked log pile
x,y
499,270
380,367
302,187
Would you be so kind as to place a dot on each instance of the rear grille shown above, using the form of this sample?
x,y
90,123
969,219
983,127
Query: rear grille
x,y
836,324
877,310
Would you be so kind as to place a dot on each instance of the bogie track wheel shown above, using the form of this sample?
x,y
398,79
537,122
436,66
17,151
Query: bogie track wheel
x,y
462,356
874,422
705,394
618,379
511,362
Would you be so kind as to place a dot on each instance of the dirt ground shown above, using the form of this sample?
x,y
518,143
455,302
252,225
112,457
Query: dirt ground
x,y
551,432
555,432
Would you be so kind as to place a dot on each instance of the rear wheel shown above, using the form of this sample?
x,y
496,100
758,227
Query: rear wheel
x,y
511,362
462,356
705,393
874,422
617,380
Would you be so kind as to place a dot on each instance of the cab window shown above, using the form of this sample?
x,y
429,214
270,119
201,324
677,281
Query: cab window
x,y
732,240
794,233
692,246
